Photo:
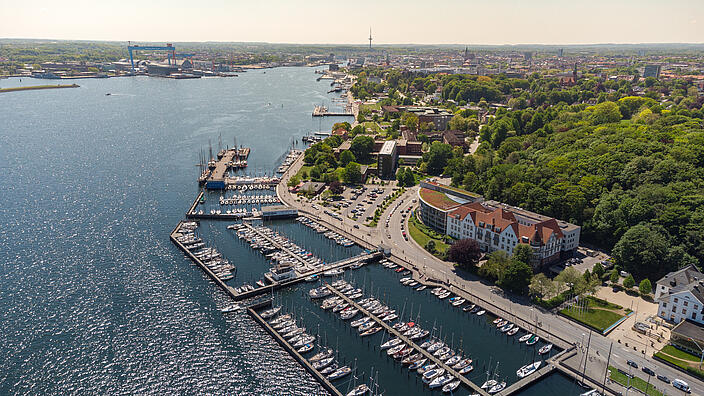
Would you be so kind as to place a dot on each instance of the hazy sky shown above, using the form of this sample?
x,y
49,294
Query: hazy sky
x,y
348,22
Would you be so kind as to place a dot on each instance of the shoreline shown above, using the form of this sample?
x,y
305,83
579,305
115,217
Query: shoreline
x,y
37,87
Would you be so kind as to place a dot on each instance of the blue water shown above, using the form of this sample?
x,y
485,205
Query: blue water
x,y
94,299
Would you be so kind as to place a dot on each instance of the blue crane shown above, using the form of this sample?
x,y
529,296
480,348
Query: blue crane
x,y
169,47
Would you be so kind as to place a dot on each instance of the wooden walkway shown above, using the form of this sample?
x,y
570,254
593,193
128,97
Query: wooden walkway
x,y
411,343
292,351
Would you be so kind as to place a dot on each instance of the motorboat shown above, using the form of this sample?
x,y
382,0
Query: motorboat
x,y
525,337
423,369
453,360
489,383
270,312
451,386
305,348
466,370
440,381
545,349
361,390
321,355
533,340
462,364
394,350
359,322
497,388
231,308
506,327
318,365
468,308
349,314
481,312
528,369
430,375
513,331
371,331
391,343
418,363
339,373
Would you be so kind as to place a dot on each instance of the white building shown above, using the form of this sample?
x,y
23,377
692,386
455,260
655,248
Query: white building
x,y
680,295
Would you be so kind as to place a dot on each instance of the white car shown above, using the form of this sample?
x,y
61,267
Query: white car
x,y
681,385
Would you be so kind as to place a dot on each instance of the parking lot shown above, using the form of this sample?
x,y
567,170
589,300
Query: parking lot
x,y
360,203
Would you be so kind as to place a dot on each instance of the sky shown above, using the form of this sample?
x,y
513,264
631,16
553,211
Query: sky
x,y
347,22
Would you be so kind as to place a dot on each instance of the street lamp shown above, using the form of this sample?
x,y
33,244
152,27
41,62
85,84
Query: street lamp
x,y
701,351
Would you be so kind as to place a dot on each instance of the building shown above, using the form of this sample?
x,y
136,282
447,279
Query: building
x,y
387,160
680,296
652,71
496,226
682,335
436,201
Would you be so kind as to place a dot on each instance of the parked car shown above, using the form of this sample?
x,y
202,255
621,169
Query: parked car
x,y
648,371
632,364
356,226
663,378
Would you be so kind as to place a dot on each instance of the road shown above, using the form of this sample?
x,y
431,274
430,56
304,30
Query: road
x,y
520,308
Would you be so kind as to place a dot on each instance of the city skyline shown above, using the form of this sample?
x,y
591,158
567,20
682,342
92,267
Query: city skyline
x,y
393,22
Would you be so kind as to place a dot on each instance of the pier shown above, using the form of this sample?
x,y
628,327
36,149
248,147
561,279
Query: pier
x,y
322,111
214,176
410,343
297,356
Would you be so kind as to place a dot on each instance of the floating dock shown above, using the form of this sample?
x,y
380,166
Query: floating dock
x,y
297,356
214,177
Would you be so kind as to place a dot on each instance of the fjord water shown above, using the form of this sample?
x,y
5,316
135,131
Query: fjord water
x,y
94,299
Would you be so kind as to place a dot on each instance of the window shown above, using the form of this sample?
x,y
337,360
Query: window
x,y
674,309
686,303
676,300
664,305
684,311
694,315
696,307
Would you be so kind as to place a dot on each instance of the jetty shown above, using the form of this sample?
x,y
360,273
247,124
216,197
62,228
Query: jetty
x,y
292,351
38,87
322,111
213,177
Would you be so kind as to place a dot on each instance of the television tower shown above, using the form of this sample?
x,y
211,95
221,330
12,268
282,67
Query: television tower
x,y
370,38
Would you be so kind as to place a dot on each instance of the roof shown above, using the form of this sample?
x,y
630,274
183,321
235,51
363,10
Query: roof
x,y
437,199
388,147
689,329
686,279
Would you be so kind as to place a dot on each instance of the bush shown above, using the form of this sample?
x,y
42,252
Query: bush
x,y
629,282
645,287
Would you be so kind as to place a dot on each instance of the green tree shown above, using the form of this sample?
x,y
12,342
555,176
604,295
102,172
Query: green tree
x,y
493,268
430,246
598,270
346,157
571,278
409,179
523,253
604,113
410,120
614,276
437,157
542,286
629,282
336,188
642,251
516,277
362,147
344,125
645,287
353,173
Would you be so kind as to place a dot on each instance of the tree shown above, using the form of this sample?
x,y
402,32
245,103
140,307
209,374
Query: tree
x,y
409,179
437,157
493,268
645,287
598,270
410,120
362,147
541,285
642,251
353,173
430,246
523,253
344,125
465,253
336,188
614,276
516,277
629,282
346,157
604,113
572,278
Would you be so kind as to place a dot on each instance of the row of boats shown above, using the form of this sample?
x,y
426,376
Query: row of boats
x,y
245,183
277,248
289,160
302,342
210,257
249,199
321,229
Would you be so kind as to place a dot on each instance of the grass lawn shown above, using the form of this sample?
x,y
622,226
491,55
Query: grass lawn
x,y
599,314
635,382
373,126
364,107
682,359
422,238
306,169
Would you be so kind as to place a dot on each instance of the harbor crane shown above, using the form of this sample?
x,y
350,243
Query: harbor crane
x,y
168,47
